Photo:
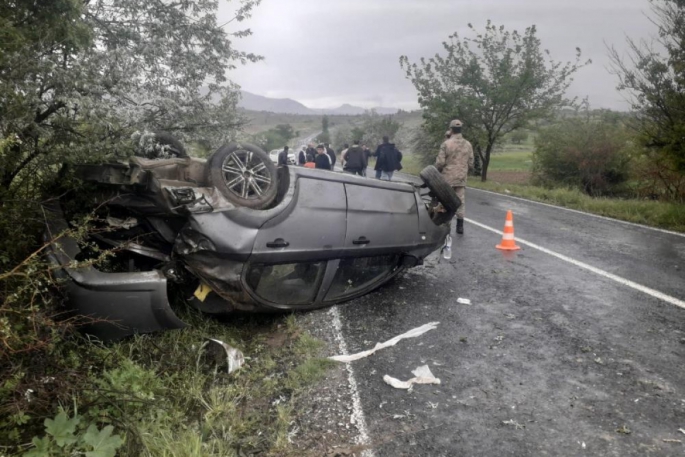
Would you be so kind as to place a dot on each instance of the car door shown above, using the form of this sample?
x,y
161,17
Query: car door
x,y
380,220
292,250
311,228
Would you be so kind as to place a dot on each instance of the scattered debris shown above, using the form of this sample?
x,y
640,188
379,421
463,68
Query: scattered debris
x,y
499,338
681,431
624,430
463,339
219,354
682,341
672,441
432,405
514,424
422,375
599,361
406,415
586,349
582,445
463,301
410,334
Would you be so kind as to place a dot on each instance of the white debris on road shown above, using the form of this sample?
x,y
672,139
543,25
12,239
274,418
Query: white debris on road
x,y
410,334
463,301
422,375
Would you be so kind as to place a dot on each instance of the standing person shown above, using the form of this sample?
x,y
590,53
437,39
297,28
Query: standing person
x,y
311,150
331,154
310,162
342,154
355,162
377,155
389,161
454,160
448,134
302,157
322,160
283,157
367,155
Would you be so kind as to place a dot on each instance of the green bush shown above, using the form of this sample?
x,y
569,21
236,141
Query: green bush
x,y
589,154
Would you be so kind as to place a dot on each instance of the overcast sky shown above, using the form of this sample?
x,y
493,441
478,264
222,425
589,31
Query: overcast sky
x,y
324,53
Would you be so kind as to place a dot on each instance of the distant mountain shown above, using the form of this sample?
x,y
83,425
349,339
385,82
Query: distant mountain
x,y
254,102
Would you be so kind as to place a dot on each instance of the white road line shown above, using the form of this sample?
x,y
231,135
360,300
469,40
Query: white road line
x,y
670,232
654,293
357,412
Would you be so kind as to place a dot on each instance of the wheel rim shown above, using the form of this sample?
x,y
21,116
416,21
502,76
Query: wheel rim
x,y
246,175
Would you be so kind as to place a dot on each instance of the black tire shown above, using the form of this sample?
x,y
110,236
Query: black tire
x,y
442,192
244,174
175,148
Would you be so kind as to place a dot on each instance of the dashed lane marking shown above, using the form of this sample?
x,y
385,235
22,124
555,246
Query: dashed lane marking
x,y
357,412
654,293
670,232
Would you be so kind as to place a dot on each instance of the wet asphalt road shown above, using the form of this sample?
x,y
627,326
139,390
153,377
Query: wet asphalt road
x,y
550,359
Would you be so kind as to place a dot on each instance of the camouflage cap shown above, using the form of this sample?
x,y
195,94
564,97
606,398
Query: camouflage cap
x,y
455,123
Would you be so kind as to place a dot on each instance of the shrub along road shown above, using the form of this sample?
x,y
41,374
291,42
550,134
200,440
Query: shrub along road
x,y
574,349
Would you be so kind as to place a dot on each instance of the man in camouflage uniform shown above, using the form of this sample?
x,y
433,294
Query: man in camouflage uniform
x,y
454,160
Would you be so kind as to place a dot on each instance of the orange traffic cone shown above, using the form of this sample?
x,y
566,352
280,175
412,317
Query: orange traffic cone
x,y
508,243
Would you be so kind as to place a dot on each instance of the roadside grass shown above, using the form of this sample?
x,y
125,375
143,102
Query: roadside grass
x,y
247,412
163,399
411,164
517,160
669,216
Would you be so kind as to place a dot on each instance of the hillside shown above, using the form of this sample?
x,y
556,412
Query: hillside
x,y
254,102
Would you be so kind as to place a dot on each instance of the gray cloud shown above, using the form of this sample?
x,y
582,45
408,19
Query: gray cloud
x,y
327,52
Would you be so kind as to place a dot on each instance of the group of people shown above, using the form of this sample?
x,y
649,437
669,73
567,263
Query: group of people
x,y
454,161
354,159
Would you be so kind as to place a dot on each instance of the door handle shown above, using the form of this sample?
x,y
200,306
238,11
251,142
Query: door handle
x,y
361,240
278,243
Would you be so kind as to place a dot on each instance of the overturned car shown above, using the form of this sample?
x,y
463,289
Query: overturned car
x,y
234,232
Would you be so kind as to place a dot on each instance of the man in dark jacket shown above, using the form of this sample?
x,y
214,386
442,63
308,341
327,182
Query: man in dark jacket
x,y
311,150
355,160
388,161
302,157
377,154
322,160
283,157
331,154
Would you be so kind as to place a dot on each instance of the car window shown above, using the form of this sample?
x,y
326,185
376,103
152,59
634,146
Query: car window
x,y
355,275
286,284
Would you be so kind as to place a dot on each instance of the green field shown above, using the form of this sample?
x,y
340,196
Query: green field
x,y
511,161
